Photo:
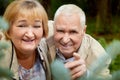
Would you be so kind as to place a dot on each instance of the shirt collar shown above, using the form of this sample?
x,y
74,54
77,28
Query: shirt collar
x,y
62,58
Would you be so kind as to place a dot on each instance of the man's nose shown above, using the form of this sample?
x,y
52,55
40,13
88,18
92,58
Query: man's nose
x,y
66,38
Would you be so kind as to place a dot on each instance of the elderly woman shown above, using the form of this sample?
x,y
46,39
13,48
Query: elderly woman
x,y
27,21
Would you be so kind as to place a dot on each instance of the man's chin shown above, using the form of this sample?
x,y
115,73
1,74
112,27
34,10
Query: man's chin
x,y
66,52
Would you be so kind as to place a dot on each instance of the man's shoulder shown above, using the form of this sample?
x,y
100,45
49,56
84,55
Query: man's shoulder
x,y
89,39
90,42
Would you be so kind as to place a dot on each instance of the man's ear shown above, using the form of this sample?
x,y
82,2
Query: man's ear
x,y
84,30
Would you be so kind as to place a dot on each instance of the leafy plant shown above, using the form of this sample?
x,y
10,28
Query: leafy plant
x,y
4,73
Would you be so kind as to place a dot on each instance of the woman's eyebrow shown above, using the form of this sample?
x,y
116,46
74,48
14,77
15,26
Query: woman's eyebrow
x,y
22,21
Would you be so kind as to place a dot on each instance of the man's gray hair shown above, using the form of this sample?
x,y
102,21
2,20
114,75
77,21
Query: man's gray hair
x,y
71,9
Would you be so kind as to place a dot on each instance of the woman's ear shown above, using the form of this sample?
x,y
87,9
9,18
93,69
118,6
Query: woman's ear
x,y
7,35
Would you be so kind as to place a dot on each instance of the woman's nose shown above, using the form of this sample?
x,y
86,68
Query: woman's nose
x,y
29,33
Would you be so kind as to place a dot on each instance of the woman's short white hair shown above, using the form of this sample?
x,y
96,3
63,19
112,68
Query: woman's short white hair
x,y
71,9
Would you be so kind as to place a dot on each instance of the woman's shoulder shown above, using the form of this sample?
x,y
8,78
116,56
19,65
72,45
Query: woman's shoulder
x,y
5,51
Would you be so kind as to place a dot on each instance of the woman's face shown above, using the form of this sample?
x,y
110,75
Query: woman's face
x,y
25,33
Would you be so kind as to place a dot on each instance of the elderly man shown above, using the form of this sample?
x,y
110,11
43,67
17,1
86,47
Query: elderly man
x,y
70,44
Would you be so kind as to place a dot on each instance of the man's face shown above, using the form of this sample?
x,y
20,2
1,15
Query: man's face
x,y
68,34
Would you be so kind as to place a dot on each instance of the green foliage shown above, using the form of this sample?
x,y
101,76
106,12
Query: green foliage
x,y
59,72
113,48
116,75
5,74
115,64
3,27
3,24
103,42
116,24
114,28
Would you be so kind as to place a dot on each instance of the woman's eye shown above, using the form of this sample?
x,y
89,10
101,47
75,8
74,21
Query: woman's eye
x,y
21,25
60,31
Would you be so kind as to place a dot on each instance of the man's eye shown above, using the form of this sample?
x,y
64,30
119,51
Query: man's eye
x,y
73,32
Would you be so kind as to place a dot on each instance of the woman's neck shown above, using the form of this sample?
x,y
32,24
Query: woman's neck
x,y
26,60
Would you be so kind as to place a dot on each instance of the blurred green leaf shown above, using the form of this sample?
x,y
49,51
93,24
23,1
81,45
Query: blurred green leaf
x,y
5,73
59,72
3,24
